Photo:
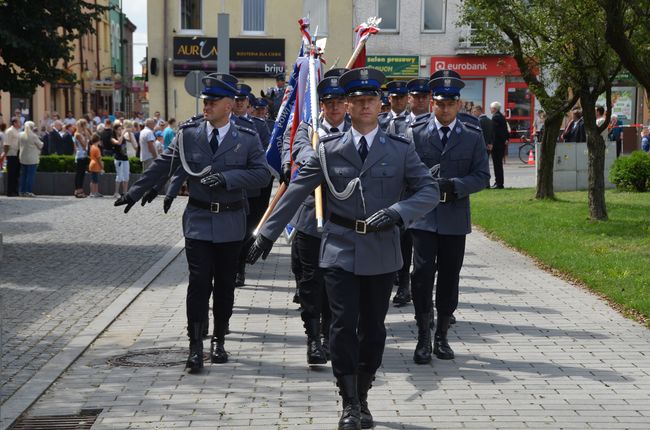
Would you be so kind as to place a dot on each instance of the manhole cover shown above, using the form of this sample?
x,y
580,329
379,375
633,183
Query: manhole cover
x,y
155,357
82,421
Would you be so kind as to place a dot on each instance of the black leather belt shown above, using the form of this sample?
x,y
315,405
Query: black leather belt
x,y
358,225
216,207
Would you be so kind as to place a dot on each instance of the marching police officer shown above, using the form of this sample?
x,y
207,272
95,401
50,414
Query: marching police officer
x,y
221,159
418,99
306,243
397,92
385,103
456,155
365,171
258,199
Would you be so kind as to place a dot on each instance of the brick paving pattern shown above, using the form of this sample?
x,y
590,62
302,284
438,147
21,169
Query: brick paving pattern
x,y
531,352
65,260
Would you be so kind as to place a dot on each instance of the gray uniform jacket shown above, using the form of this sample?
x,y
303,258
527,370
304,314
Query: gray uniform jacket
x,y
262,134
464,161
241,161
305,219
391,165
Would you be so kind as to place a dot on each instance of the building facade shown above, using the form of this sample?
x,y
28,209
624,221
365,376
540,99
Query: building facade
x,y
96,77
264,41
425,34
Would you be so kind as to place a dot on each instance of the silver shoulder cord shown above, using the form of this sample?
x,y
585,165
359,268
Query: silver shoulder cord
x,y
349,189
181,153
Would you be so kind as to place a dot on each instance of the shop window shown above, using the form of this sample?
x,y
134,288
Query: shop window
x,y
472,94
253,16
317,12
433,16
388,10
191,16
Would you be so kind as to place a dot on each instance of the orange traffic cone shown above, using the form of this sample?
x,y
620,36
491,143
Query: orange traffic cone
x,y
531,158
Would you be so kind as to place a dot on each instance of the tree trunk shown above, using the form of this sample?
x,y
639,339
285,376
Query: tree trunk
x,y
552,126
596,148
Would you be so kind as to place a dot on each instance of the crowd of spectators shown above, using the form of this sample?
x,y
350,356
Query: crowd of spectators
x,y
88,139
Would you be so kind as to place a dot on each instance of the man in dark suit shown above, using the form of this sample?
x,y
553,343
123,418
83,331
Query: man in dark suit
x,y
67,147
486,126
501,136
55,141
575,131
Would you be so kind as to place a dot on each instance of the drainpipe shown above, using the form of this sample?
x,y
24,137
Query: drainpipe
x,y
164,59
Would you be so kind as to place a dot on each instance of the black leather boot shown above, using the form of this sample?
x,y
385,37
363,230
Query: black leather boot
x,y
351,415
403,295
325,333
195,359
364,383
452,319
422,354
218,352
315,353
440,344
205,332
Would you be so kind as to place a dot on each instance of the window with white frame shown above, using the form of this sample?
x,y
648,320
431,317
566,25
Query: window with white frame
x,y
191,15
317,12
433,16
388,10
253,16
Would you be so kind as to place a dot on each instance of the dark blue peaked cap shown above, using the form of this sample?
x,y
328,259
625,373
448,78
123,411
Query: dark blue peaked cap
x,y
362,82
397,88
418,86
384,100
335,72
243,90
219,85
260,103
330,88
446,85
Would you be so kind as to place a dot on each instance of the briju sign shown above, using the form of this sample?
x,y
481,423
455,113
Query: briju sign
x,y
473,66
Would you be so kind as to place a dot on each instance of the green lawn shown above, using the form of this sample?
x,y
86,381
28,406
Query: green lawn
x,y
611,258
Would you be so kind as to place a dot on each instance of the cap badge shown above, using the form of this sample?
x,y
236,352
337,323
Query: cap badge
x,y
364,74
333,82
447,82
445,73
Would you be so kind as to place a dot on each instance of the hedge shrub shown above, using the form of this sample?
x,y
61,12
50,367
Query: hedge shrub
x,y
65,163
632,172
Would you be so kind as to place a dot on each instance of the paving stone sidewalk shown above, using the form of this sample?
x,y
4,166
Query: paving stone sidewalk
x,y
531,352
65,260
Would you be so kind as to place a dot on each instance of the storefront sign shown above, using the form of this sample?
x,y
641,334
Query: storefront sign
x,y
623,103
248,57
102,86
395,66
468,66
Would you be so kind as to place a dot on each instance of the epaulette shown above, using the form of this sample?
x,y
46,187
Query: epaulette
x,y
246,129
331,136
248,120
420,120
399,138
192,122
382,114
472,127
254,118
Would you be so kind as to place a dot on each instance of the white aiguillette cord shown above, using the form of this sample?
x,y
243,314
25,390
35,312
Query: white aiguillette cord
x,y
181,153
349,189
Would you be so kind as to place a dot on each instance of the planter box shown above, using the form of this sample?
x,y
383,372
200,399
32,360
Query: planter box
x,y
62,184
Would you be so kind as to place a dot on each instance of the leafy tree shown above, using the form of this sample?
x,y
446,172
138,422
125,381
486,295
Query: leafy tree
x,y
628,33
36,35
528,30
560,48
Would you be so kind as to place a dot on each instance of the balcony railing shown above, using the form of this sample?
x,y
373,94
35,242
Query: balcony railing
x,y
466,38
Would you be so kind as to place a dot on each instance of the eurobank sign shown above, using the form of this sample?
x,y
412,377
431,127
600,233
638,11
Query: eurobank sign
x,y
470,66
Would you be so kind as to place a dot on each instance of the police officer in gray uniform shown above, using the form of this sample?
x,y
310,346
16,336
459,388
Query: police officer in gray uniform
x,y
306,243
365,171
221,160
418,99
397,92
258,199
456,155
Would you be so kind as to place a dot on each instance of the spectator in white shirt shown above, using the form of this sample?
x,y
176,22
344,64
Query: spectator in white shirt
x,y
148,144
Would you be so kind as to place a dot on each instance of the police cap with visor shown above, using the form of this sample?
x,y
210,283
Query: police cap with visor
x,y
396,88
330,88
219,85
362,82
446,85
418,86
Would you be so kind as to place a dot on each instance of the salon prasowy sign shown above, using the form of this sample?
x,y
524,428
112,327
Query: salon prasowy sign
x,y
248,57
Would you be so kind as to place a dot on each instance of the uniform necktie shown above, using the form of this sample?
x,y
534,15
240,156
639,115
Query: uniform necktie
x,y
334,130
214,140
445,136
363,148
